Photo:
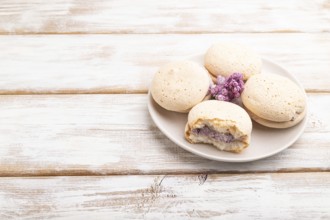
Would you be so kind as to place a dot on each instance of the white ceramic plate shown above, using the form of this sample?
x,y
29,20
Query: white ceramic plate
x,y
265,141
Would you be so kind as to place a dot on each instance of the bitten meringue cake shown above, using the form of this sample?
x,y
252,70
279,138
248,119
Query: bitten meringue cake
x,y
225,125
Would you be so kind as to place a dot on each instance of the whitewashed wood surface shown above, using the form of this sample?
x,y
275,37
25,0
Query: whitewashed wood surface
x,y
171,16
76,139
114,134
241,196
126,63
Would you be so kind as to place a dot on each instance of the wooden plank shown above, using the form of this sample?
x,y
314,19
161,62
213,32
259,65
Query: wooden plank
x,y
114,134
249,196
145,16
126,63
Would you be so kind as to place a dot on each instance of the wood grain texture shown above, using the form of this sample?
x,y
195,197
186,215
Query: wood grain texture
x,y
126,63
114,134
250,196
145,16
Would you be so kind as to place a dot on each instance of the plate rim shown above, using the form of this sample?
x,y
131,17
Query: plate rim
x,y
235,160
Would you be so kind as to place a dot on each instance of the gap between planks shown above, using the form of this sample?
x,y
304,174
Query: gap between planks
x,y
73,92
107,92
283,32
171,173
167,33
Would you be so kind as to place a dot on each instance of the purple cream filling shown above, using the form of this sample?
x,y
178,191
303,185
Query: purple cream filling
x,y
208,132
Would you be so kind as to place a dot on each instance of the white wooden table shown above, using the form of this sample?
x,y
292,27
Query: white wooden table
x,y
76,139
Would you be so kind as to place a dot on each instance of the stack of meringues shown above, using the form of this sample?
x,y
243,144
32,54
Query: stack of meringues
x,y
269,99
